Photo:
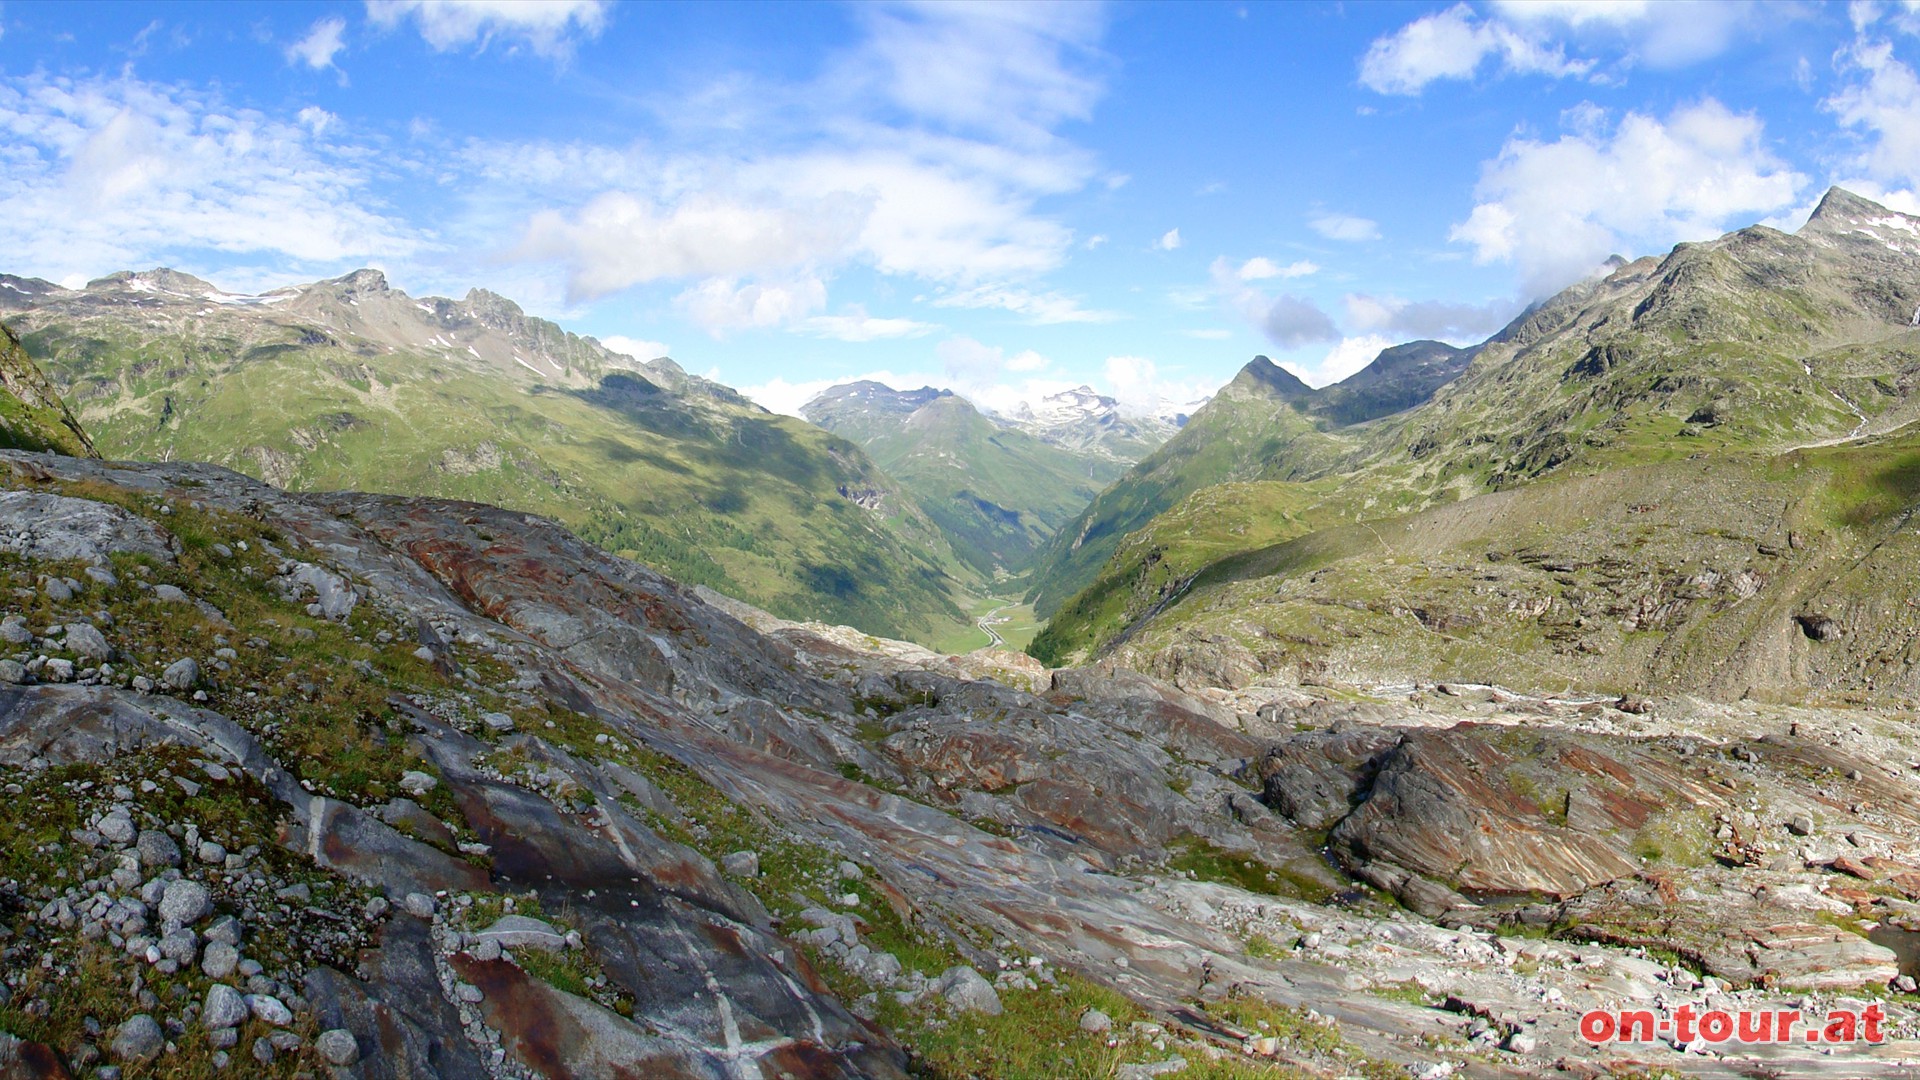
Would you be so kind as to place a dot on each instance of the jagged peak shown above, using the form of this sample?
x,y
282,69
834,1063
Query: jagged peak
x,y
1842,207
1264,374
487,303
364,280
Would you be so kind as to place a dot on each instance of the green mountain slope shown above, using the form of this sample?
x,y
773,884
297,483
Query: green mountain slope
x,y
997,492
32,416
350,384
1715,360
1264,425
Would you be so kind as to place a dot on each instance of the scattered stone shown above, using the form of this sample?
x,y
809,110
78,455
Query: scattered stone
x,y
85,640
848,871
468,993
742,864
417,783
269,1009
968,991
1150,1070
210,853
182,674
169,594
1095,1021
139,1039
57,590
225,1008
225,930
263,1051
338,1047
1800,825
523,932
219,960
14,631
1521,1042
157,849
419,905
497,721
185,902
13,671
57,671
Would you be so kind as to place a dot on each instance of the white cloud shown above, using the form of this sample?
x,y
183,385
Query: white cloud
x,y
1882,101
638,348
1011,69
323,41
820,176
618,240
1452,44
551,28
1039,309
857,326
1138,384
1347,356
1288,321
1660,34
1452,322
722,305
1344,227
103,174
1558,209
317,120
1261,268
1169,241
1093,242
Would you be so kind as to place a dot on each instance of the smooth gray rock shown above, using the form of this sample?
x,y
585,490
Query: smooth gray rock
x,y
39,525
14,630
269,1009
969,991
523,932
87,641
157,849
338,1047
13,671
185,902
741,864
117,828
139,1039
219,960
182,674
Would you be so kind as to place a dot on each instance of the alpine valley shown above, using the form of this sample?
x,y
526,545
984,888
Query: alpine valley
x,y
401,688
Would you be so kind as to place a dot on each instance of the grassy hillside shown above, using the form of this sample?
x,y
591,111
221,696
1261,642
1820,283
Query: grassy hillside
x,y
1737,349
324,393
32,416
998,493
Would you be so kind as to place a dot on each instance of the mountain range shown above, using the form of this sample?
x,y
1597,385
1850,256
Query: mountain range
x,y
349,383
999,487
1424,711
1690,473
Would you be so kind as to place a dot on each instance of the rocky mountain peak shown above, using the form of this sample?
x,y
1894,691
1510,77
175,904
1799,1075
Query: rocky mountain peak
x,y
1263,376
492,309
159,279
359,282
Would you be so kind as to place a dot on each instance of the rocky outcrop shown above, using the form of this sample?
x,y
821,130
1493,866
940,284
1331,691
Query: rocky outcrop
x,y
32,416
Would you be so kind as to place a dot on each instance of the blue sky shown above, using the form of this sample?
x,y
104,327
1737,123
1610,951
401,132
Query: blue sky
x,y
1003,199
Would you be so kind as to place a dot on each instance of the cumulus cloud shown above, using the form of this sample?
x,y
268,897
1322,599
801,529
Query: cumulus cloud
x,y
322,42
551,28
1452,44
723,305
1881,102
1139,384
638,348
1261,268
1344,227
1457,323
1292,321
1557,209
1659,34
1347,356
1287,321
619,239
826,175
1169,241
111,173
